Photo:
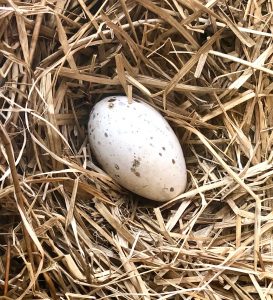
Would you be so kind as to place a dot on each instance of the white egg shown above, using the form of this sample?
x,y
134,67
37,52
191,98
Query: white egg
x,y
137,147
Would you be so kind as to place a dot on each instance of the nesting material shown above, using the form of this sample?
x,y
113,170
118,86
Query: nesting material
x,y
67,230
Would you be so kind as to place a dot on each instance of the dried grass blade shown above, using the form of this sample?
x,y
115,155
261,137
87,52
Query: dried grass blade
x,y
53,134
138,85
242,61
72,266
64,43
66,72
162,226
36,33
248,95
200,65
128,17
70,211
7,269
180,87
21,26
121,73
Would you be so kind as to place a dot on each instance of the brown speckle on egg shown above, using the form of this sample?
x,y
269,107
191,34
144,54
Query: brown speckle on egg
x,y
171,189
135,165
135,172
116,167
173,161
105,134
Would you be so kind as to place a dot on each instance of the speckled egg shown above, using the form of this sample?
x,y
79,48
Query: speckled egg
x,y
137,147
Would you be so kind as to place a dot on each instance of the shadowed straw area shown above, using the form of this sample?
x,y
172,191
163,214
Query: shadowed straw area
x,y
67,230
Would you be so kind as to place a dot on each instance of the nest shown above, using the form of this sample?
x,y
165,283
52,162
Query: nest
x,y
67,230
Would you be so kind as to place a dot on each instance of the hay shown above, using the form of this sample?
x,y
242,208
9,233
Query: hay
x,y
68,231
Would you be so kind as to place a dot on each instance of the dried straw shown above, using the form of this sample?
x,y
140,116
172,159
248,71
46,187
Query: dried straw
x,y
68,231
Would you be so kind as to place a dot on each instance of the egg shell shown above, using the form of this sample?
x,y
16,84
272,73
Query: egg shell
x,y
137,147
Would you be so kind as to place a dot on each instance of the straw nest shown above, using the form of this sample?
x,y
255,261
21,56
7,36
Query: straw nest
x,y
68,231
